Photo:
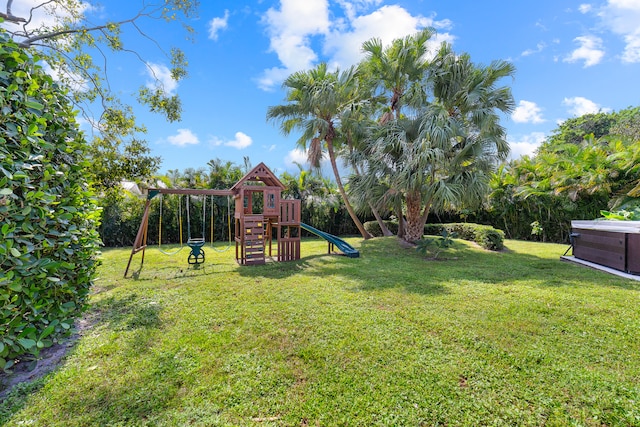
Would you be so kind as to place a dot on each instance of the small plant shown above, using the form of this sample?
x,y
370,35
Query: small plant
x,y
622,215
629,211
435,246
536,228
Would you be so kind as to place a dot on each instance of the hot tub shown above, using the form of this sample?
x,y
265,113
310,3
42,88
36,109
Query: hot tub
x,y
614,244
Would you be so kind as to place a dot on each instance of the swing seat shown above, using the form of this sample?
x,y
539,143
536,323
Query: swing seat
x,y
196,256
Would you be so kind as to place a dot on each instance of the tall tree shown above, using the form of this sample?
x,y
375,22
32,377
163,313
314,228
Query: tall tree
x,y
396,74
223,175
398,70
316,101
442,156
355,128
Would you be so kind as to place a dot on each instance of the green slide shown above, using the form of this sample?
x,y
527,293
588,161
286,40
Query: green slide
x,y
346,248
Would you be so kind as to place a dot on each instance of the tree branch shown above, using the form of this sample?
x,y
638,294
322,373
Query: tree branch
x,y
29,41
9,15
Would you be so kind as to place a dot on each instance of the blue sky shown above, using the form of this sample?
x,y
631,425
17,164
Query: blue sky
x,y
571,58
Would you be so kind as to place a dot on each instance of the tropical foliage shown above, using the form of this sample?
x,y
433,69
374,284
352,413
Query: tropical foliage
x,y
436,155
48,242
317,100
441,155
537,197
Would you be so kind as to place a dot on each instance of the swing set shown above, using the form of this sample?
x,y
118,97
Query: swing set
x,y
266,226
195,244
197,255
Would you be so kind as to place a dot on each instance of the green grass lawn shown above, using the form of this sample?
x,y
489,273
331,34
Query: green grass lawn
x,y
389,339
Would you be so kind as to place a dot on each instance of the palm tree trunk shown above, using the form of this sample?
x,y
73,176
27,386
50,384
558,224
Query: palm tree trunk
x,y
383,226
343,193
415,217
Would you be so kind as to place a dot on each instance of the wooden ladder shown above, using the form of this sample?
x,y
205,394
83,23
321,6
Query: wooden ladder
x,y
254,239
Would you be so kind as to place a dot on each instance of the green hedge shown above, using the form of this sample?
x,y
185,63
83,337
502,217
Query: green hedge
x,y
484,235
48,217
374,228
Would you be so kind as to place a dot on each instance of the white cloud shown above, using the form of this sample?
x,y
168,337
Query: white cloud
x,y
290,30
590,51
527,112
272,77
298,27
218,24
240,142
631,52
344,44
184,137
160,76
585,8
539,48
296,156
622,17
353,7
526,145
579,106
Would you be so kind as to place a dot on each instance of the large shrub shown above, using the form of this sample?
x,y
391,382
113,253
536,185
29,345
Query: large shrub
x,y
484,235
48,238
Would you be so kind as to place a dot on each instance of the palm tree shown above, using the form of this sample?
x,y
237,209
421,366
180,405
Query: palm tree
x,y
442,156
396,76
316,101
355,130
398,70
223,175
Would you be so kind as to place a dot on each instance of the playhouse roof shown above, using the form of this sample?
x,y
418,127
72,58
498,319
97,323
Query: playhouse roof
x,y
260,173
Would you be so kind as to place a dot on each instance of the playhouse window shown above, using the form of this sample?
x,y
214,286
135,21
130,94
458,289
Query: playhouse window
x,y
271,201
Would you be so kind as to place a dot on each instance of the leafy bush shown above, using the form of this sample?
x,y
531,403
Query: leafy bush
x,y
489,238
48,238
433,229
629,211
484,235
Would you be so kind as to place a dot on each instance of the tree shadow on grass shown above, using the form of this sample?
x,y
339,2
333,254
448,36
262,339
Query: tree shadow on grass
x,y
385,263
126,313
171,272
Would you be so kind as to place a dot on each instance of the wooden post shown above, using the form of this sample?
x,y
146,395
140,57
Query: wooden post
x,y
141,237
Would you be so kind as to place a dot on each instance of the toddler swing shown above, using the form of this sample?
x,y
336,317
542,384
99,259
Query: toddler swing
x,y
196,256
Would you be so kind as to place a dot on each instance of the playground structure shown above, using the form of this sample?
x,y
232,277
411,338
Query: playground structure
x,y
260,216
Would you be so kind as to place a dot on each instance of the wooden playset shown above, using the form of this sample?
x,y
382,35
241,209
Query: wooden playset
x,y
260,216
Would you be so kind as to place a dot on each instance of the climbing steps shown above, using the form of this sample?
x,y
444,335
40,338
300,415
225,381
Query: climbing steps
x,y
253,240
